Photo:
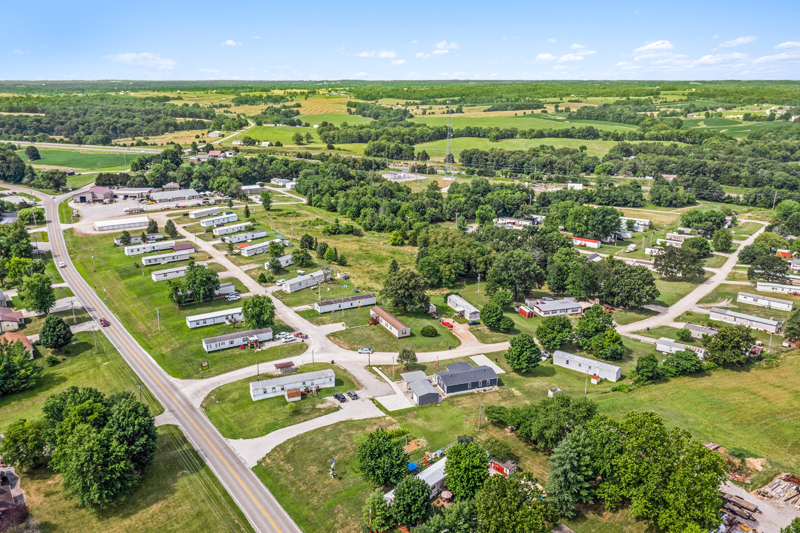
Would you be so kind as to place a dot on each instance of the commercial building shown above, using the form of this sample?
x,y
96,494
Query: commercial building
x,y
390,322
244,237
750,321
269,388
10,320
588,366
305,281
763,286
235,228
138,249
586,243
351,302
233,340
95,194
229,216
174,196
639,224
433,476
136,239
463,377
551,307
122,223
765,301
665,345
221,316
163,259
126,192
463,307
284,260
207,212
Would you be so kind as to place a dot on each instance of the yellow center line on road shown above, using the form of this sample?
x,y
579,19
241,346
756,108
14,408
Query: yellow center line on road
x,y
179,406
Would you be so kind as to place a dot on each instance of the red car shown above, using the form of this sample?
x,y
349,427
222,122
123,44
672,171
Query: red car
x,y
104,322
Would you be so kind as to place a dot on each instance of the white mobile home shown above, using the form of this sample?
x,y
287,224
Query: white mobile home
x,y
680,237
698,331
251,189
227,230
284,260
351,302
207,212
466,309
182,255
307,280
122,223
665,345
587,243
138,249
243,237
653,250
221,316
433,476
234,340
170,273
763,286
390,322
269,388
229,216
550,307
750,321
136,239
574,186
765,301
639,224
585,365
664,242
255,249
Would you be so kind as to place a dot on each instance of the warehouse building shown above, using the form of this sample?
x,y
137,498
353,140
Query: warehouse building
x,y
665,345
269,388
351,302
148,247
463,377
235,340
229,216
765,301
305,281
227,230
122,223
750,321
207,212
390,322
588,366
244,237
163,259
174,196
463,307
222,316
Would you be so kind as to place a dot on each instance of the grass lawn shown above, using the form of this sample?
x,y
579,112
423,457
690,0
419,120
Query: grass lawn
x,y
740,274
231,409
747,228
80,160
135,298
333,289
673,289
34,325
716,261
668,332
731,292
437,149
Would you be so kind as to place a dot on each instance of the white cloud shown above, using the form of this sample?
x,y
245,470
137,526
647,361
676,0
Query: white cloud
x,y
366,54
386,54
359,74
559,67
577,46
414,41
622,64
737,42
440,51
256,37
551,40
17,52
209,70
444,45
570,57
546,57
655,45
788,44
144,59
652,55
231,42
783,56
719,58
423,55
399,62
587,52
715,37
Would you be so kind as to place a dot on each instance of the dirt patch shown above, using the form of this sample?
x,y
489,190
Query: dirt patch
x,y
415,444
756,464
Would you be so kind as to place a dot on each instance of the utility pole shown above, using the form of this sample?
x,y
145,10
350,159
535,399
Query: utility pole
x,y
258,374
479,283
140,391
158,315
774,199
393,359
72,305
480,415
95,338
312,358
586,386
769,350
94,266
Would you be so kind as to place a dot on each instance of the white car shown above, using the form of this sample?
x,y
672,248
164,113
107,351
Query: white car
x,y
280,282
233,298
281,335
287,340
61,264
365,350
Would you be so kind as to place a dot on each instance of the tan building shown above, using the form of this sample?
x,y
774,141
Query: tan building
x,y
390,322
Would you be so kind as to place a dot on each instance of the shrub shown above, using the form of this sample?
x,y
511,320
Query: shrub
x,y
684,335
428,331
52,360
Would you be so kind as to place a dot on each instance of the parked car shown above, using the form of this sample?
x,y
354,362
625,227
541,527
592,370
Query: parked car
x,y
234,297
281,335
280,282
474,323
61,264
104,322
287,340
339,396
364,350
352,395
545,353
300,335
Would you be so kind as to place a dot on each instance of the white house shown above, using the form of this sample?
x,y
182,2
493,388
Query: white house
x,y
794,265
259,248
664,242
680,237
390,322
763,286
433,476
215,134
220,316
265,144
665,345
235,228
351,302
138,249
242,237
466,309
280,181
269,388
237,142
574,186
229,216
182,255
751,321
251,189
585,365
284,260
551,307
136,239
639,224
170,273
304,281
653,250
765,301
233,340
208,212
122,223
586,243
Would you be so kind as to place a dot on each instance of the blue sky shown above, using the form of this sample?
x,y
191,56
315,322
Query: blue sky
x,y
412,40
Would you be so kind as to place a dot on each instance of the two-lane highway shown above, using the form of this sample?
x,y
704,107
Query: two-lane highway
x,y
259,506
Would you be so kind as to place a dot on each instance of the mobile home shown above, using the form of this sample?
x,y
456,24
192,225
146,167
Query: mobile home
x,y
763,286
221,316
390,322
122,223
234,340
549,307
138,249
227,230
260,248
229,216
750,321
270,388
170,273
244,237
207,212
172,257
463,307
765,301
284,260
665,345
585,365
586,243
304,281
351,302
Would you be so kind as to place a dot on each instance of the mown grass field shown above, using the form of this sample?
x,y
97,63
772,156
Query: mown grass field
x,y
437,149
283,134
80,160
529,121
231,409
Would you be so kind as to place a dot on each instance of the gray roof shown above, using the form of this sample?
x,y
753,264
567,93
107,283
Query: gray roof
x,y
416,375
347,299
760,297
238,335
701,329
292,379
555,305
752,318
181,193
461,376
422,387
672,343
3,299
458,367
578,358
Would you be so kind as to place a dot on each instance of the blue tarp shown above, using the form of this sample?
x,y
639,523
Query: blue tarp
x,y
412,467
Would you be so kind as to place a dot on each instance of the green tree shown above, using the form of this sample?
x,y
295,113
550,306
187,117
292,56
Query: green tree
x,y
592,324
729,346
791,328
32,153
769,268
18,267
627,286
750,253
549,420
484,215
396,239
125,239
152,226
457,518
699,244
492,314
406,290
461,223
37,293
517,271
682,363
683,335
648,369
771,240
377,514
723,240
466,470
393,268
266,199
55,333
301,257
523,355
259,312
513,505
23,444
684,262
322,247
411,500
275,265
784,209
407,357
499,449
170,229
330,255
570,473
554,332
503,298
200,282
17,242
262,277
381,459
246,211
297,138
506,325
275,249
794,527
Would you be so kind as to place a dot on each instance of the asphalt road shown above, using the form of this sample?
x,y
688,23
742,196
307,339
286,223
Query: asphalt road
x,y
259,506
131,150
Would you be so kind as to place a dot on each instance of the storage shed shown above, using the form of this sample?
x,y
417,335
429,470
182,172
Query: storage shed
x,y
269,388
585,365
765,301
423,393
390,322
463,377
351,302
234,340
221,316
122,223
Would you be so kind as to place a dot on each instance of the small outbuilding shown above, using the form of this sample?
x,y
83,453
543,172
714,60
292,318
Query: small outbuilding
x,y
422,392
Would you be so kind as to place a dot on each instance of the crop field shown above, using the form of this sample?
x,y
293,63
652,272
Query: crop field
x,y
283,134
80,160
529,121
438,149
332,118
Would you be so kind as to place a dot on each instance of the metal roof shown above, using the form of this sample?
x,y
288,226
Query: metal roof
x,y
347,299
752,318
388,317
166,195
422,387
292,379
181,247
180,252
760,297
304,277
463,375
579,359
119,221
672,343
701,329
214,314
416,375
461,302
555,305
238,335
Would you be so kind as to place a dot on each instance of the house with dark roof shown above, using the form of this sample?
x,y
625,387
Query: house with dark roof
x,y
350,302
10,320
418,384
463,377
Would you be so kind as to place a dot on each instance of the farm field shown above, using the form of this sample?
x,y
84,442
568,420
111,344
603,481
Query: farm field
x,y
231,409
307,115
80,160
283,134
437,149
529,121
